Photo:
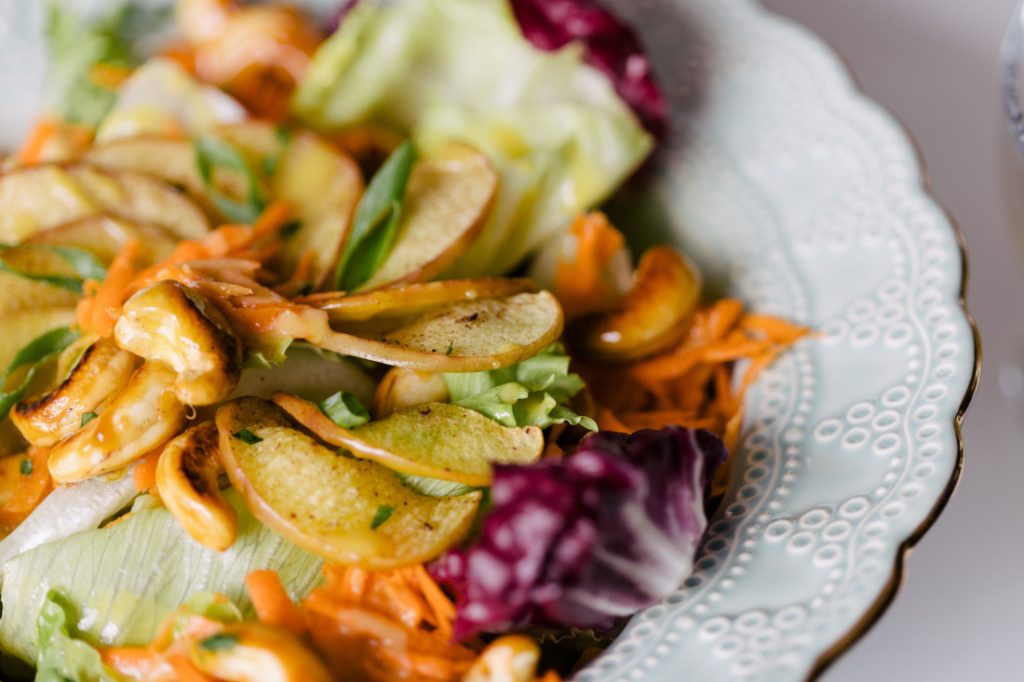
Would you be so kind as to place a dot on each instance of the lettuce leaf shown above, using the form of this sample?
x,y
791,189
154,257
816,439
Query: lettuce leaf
x,y
62,655
534,392
68,510
560,137
129,576
77,45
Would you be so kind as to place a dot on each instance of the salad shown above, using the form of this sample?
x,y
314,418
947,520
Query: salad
x,y
321,361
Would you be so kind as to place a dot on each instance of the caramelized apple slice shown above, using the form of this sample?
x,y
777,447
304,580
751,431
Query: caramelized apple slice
x,y
435,440
348,510
467,336
405,300
446,204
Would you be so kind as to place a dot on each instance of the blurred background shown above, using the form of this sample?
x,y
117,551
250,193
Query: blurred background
x,y
935,65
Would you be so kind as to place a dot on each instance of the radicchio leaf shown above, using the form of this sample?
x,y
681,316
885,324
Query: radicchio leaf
x,y
612,47
583,541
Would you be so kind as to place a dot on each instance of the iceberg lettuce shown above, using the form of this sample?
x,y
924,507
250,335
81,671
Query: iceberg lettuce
x,y
560,137
126,578
534,392
62,654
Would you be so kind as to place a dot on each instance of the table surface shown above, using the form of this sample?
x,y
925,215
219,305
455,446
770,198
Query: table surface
x,y
935,65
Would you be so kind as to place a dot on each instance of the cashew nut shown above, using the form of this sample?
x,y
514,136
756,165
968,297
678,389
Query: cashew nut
x,y
653,315
254,652
143,416
186,478
512,658
169,322
402,387
101,372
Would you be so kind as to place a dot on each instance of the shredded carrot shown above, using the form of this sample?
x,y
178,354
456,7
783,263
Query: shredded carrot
x,y
272,603
136,662
385,625
44,131
144,473
584,284
98,312
184,669
694,384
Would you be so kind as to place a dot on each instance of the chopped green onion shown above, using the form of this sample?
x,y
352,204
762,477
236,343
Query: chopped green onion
x,y
34,355
25,466
247,437
85,264
376,221
345,410
86,418
222,641
213,153
383,513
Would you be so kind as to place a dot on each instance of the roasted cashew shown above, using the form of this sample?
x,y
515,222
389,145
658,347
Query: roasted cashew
x,y
402,387
170,323
101,372
653,315
143,416
254,652
512,658
186,478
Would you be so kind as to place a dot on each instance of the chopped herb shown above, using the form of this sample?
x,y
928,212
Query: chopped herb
x,y
283,135
86,418
383,513
290,228
222,641
345,410
451,348
84,263
34,356
269,164
376,221
212,153
306,289
26,467
247,437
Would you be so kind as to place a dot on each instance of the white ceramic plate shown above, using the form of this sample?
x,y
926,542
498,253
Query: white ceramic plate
x,y
798,194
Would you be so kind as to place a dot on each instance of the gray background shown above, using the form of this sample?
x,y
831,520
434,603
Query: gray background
x,y
935,65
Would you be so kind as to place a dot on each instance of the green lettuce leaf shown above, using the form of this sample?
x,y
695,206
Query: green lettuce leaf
x,y
62,655
441,70
76,45
535,392
127,577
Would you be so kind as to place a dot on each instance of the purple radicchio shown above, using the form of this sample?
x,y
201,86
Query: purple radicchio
x,y
583,541
612,47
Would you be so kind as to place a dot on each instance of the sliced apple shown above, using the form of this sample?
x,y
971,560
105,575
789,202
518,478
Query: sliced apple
x,y
323,186
435,440
169,158
348,510
143,198
22,293
652,316
405,300
104,235
467,336
42,197
446,204
21,327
